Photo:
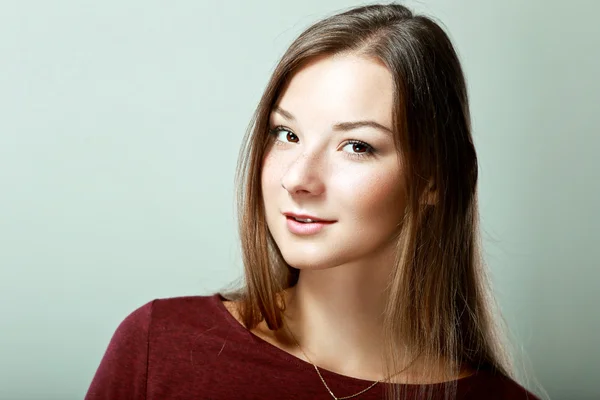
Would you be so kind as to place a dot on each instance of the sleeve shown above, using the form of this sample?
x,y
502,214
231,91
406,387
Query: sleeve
x,y
122,373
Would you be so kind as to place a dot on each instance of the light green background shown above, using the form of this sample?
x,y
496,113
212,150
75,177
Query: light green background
x,y
120,123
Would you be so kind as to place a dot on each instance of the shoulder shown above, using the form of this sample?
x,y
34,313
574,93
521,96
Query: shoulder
x,y
155,328
176,318
186,309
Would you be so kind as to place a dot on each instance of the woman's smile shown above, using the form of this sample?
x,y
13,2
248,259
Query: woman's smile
x,y
306,227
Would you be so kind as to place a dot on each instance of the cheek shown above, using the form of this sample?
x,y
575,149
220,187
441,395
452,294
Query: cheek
x,y
270,175
374,196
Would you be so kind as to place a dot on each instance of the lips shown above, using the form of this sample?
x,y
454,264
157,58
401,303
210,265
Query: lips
x,y
305,217
306,225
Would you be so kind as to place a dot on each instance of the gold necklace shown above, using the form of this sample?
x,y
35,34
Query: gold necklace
x,y
325,383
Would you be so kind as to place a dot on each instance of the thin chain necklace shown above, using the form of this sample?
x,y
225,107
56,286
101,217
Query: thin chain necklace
x,y
325,383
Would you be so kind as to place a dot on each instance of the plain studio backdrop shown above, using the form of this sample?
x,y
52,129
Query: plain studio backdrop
x,y
120,124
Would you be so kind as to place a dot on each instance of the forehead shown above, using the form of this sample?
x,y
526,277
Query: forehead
x,y
342,87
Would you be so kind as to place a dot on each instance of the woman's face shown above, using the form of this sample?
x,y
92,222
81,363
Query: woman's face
x,y
332,157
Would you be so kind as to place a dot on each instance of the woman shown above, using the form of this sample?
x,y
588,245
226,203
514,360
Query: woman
x,y
358,218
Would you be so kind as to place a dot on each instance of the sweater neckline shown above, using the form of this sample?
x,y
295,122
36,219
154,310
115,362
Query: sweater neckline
x,y
218,299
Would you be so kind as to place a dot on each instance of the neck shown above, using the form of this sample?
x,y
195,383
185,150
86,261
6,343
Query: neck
x,y
336,316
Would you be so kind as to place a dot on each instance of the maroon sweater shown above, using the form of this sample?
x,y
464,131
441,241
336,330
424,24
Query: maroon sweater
x,y
193,348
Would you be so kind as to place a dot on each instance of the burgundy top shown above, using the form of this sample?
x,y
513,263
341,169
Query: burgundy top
x,y
193,348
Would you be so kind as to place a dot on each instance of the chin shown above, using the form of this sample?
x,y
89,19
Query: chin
x,y
299,258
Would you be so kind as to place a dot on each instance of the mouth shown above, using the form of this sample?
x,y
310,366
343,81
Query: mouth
x,y
306,219
306,226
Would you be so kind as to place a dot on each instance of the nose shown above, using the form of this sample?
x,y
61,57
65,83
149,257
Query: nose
x,y
304,176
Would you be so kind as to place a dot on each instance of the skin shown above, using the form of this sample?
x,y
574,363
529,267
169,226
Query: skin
x,y
334,310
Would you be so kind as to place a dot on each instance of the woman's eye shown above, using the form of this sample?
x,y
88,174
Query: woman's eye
x,y
284,135
358,148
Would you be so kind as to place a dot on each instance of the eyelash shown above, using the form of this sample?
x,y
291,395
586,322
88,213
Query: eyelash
x,y
368,153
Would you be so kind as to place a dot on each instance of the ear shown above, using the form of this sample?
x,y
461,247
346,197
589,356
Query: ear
x,y
430,195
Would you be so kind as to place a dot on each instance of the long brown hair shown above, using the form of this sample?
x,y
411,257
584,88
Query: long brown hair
x,y
438,296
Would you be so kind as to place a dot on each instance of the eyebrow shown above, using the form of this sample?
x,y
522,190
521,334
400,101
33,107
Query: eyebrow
x,y
339,126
